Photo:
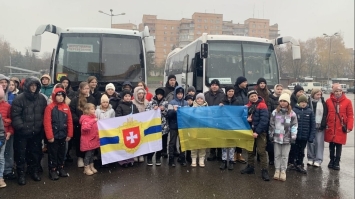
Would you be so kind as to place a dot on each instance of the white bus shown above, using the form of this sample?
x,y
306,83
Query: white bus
x,y
226,57
111,55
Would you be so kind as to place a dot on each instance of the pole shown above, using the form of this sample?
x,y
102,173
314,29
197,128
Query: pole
x,y
330,50
111,17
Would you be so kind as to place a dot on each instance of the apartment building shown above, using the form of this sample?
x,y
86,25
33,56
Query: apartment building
x,y
127,26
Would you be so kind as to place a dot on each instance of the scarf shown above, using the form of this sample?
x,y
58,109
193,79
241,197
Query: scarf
x,y
319,110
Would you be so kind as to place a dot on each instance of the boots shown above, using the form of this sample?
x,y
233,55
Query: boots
x,y
283,176
331,162
240,159
300,169
2,183
35,176
230,166
93,168
248,170
212,155
62,172
201,162
223,165
53,175
265,175
21,180
277,175
87,170
336,165
80,162
193,162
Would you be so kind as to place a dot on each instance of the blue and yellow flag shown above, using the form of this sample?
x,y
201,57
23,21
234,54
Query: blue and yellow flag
x,y
214,127
126,137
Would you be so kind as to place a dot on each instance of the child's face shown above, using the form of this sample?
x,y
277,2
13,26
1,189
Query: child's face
x,y
110,91
159,96
191,93
127,98
253,97
189,101
199,101
303,104
180,95
59,98
140,95
299,93
230,93
92,111
104,104
283,103
12,86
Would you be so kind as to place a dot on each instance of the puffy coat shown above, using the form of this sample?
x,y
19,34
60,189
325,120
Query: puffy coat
x,y
169,91
5,112
114,100
159,103
241,95
306,123
89,139
126,108
172,115
100,114
313,106
282,126
232,102
141,105
293,100
7,94
76,111
333,132
272,103
260,116
27,110
214,99
58,122
97,95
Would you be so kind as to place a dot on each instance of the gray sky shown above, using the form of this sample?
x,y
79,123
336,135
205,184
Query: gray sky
x,y
301,19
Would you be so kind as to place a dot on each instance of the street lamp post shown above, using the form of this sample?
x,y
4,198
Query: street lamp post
x,y
330,49
111,15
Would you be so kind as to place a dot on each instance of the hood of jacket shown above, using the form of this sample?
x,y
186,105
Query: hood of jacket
x,y
127,83
65,78
28,82
54,93
135,95
47,76
175,94
197,105
3,77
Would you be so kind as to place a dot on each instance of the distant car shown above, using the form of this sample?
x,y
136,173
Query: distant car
x,y
351,90
292,85
326,88
309,86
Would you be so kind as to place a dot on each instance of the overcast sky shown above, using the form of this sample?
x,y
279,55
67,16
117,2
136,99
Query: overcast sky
x,y
300,19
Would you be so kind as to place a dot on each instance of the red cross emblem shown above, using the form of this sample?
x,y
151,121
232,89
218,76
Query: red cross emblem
x,y
131,137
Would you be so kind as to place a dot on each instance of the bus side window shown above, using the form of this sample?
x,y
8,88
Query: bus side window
x,y
199,72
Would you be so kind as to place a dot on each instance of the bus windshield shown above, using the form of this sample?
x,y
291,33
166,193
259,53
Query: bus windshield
x,y
225,62
109,57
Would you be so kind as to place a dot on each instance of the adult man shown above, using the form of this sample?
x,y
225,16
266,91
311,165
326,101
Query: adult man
x,y
47,87
214,97
27,118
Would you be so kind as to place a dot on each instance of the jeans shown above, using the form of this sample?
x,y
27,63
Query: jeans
x,y
56,153
228,153
2,160
89,157
281,152
260,143
28,150
315,150
9,156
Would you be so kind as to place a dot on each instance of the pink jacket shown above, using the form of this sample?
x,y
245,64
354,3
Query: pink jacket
x,y
89,133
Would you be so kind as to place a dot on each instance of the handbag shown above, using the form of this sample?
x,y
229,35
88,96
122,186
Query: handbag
x,y
343,126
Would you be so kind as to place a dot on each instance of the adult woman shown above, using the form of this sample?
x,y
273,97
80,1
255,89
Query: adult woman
x,y
340,121
92,80
76,107
148,95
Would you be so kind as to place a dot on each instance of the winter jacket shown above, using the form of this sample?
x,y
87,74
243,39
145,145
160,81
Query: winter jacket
x,y
67,99
159,103
195,104
10,97
76,111
260,116
101,114
282,126
232,102
114,99
306,123
58,122
273,103
172,115
89,139
169,91
214,99
47,90
6,91
241,95
5,112
126,108
293,100
27,110
333,132
313,106
97,95
141,105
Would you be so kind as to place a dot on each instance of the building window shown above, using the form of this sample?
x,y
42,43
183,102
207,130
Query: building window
x,y
199,26
212,21
164,33
164,27
164,44
217,27
253,31
171,38
206,27
253,25
205,21
198,20
172,27
164,38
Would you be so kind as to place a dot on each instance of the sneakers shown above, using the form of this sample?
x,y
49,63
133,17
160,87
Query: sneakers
x,y
231,165
35,176
87,170
2,183
193,162
141,158
158,162
291,167
149,162
80,162
265,175
283,176
300,169
93,168
316,164
223,165
310,162
10,176
53,175
277,175
172,162
248,170
201,162
62,172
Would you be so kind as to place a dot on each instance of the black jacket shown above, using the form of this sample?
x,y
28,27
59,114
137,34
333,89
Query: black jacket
x,y
97,95
27,110
241,95
69,91
75,111
293,100
232,102
126,108
313,106
114,100
306,123
214,99
272,103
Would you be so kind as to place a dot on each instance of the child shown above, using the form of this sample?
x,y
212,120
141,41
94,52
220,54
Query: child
x,y
258,117
126,107
199,102
178,101
89,140
159,102
58,126
190,100
282,129
191,91
305,132
105,109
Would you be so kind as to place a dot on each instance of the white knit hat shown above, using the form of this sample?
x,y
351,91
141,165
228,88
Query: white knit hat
x,y
286,95
110,85
104,98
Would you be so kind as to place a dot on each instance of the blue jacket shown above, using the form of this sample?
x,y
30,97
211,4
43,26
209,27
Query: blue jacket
x,y
171,115
306,123
10,97
260,117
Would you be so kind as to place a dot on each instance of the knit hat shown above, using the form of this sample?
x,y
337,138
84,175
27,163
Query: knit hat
x,y
252,92
104,98
125,92
200,95
189,97
297,88
336,86
215,81
277,85
229,88
314,91
285,95
179,90
171,76
2,94
191,88
160,91
302,98
261,79
240,80
111,86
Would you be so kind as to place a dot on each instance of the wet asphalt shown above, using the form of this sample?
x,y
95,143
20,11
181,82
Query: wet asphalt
x,y
142,181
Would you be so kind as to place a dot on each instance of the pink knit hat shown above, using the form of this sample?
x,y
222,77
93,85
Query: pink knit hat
x,y
336,86
2,94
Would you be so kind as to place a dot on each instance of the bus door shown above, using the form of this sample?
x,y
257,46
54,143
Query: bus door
x,y
184,74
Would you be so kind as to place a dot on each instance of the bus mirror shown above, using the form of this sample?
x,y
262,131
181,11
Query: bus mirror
x,y
36,43
296,52
204,50
149,44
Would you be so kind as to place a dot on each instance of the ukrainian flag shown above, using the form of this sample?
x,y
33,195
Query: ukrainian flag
x,y
122,138
214,127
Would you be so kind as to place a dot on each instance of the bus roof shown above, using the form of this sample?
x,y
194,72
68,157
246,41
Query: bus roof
x,y
101,30
237,38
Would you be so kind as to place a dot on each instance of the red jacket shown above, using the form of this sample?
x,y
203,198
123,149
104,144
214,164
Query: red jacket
x,y
60,120
148,95
89,139
334,131
6,117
